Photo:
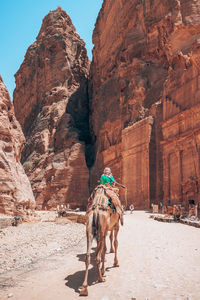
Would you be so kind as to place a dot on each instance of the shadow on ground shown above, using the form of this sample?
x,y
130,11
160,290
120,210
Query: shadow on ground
x,y
75,280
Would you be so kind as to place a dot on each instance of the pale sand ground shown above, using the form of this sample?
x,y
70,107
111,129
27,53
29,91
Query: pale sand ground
x,y
157,261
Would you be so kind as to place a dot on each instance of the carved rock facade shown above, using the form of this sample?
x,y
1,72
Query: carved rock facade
x,y
146,64
51,104
15,190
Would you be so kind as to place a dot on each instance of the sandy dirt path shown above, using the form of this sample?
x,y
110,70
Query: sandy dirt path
x,y
157,261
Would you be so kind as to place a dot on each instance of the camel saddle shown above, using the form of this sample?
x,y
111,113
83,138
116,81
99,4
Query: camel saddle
x,y
99,198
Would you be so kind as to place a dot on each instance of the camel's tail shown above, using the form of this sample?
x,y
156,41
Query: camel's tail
x,y
95,225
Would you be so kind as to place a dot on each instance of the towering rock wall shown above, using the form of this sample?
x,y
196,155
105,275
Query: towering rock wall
x,y
15,190
51,104
145,67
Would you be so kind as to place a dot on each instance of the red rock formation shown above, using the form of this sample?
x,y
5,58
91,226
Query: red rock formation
x,y
146,63
51,104
15,190
181,152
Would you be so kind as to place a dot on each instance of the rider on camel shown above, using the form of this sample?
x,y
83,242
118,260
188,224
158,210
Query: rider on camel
x,y
108,180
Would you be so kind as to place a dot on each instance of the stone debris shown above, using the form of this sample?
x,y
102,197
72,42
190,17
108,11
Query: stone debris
x,y
78,218
163,218
195,222
17,220
5,221
10,295
29,242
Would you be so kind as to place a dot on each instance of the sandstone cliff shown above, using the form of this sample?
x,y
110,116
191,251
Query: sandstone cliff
x,y
15,190
144,104
51,104
145,71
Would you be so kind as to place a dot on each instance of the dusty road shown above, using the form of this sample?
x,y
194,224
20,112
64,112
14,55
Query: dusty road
x,y
157,261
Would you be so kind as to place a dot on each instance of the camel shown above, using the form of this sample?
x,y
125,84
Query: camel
x,y
99,222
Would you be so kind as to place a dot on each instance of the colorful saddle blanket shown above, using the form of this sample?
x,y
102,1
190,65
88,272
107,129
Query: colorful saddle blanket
x,y
99,198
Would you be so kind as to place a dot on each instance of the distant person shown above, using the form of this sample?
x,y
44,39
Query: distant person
x,y
131,207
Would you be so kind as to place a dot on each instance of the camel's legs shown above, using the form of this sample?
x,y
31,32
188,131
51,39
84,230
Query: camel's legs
x,y
116,229
103,257
111,242
84,290
100,247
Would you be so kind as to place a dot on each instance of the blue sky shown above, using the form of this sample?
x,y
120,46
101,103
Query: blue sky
x,y
20,22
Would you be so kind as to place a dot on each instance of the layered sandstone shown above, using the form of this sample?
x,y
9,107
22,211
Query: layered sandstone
x,y
16,195
51,104
146,61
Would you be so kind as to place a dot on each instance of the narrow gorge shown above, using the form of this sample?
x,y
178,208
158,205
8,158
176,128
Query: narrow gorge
x,y
134,108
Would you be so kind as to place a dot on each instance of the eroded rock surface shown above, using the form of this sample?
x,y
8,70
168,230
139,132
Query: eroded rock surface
x,y
51,104
145,65
15,190
144,104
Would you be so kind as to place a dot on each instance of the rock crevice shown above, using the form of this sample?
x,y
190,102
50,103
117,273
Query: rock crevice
x,y
51,104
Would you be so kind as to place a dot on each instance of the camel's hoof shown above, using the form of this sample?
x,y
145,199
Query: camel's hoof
x,y
101,279
84,291
116,265
112,251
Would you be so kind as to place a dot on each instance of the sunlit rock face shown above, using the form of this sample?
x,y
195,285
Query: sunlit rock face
x,y
144,73
16,195
51,104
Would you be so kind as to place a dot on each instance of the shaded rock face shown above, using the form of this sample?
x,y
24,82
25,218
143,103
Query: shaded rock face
x,y
16,195
146,61
51,104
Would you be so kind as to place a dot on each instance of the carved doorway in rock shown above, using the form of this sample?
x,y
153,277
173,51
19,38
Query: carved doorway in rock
x,y
136,164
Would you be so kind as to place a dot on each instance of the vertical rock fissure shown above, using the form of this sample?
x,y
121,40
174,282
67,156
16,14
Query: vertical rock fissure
x,y
51,104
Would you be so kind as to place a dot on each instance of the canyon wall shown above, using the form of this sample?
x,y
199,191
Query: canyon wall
x,y
139,108
144,97
16,197
51,104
